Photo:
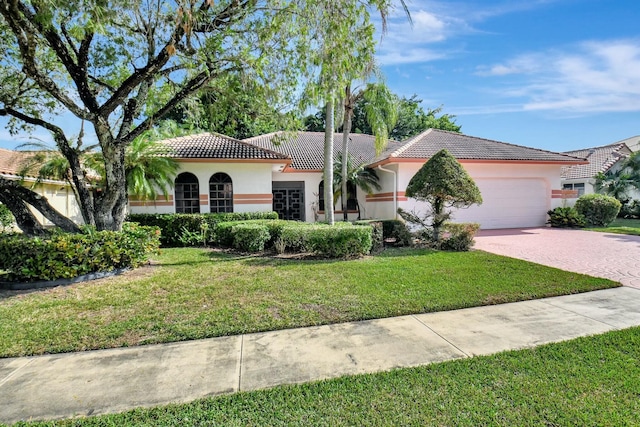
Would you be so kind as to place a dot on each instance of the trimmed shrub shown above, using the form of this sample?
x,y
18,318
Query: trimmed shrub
x,y
340,242
223,233
64,255
460,236
566,217
377,234
598,210
193,229
249,237
344,241
295,237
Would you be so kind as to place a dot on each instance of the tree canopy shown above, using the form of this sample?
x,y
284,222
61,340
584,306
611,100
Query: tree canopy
x,y
411,119
118,67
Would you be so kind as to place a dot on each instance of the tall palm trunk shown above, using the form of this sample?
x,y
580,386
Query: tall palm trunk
x,y
346,130
328,164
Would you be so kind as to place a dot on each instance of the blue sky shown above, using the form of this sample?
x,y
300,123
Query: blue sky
x,y
551,74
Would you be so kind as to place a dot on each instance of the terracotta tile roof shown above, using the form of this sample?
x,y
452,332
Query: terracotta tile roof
x,y
600,160
12,162
307,148
216,146
464,147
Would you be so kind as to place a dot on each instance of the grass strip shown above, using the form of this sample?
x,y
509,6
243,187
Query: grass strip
x,y
587,381
198,293
621,226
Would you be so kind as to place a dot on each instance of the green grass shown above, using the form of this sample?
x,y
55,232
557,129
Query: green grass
x,y
196,293
621,226
591,381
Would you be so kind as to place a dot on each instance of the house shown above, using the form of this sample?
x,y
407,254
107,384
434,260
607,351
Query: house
x,y
581,178
282,171
58,193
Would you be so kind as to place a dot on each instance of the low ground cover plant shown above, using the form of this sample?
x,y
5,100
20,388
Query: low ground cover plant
x,y
566,217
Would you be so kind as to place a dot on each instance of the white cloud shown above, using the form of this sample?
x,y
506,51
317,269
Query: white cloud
x,y
596,76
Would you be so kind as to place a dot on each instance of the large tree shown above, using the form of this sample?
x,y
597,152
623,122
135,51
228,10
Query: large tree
x,y
120,66
412,119
239,107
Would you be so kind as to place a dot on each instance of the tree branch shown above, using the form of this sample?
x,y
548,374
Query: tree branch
x,y
12,192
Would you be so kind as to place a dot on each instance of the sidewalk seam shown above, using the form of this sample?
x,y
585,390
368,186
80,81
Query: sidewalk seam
x,y
446,340
580,314
240,362
15,371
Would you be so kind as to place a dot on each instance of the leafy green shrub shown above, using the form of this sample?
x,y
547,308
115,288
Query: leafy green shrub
x,y
630,209
6,218
250,237
598,209
565,217
396,231
340,242
460,236
343,241
64,255
377,234
186,229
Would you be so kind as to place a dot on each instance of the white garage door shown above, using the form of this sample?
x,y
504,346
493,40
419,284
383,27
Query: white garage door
x,y
508,203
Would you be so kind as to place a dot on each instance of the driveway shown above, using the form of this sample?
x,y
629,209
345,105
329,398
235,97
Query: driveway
x,y
612,256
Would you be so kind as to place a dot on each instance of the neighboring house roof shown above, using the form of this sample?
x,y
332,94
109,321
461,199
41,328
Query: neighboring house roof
x,y
216,146
12,162
632,142
600,159
306,149
465,147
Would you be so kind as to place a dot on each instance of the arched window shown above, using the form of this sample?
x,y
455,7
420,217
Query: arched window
x,y
187,193
221,193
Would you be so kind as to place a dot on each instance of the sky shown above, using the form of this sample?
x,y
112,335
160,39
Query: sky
x,y
552,74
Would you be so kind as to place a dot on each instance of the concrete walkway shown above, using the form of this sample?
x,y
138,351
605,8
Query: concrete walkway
x,y
608,255
106,381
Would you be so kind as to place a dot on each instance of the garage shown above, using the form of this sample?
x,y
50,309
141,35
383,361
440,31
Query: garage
x,y
509,203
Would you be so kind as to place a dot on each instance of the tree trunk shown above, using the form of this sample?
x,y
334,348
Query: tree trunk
x,y
16,197
328,164
346,130
110,203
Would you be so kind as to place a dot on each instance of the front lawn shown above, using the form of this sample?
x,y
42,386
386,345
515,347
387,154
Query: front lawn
x,y
591,381
621,226
196,293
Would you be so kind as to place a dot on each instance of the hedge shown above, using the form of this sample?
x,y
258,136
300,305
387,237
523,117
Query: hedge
x,y
193,229
63,255
341,241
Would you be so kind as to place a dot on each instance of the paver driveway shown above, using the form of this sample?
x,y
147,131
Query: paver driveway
x,y
612,256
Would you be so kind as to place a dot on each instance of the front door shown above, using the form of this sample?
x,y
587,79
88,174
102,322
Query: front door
x,y
288,199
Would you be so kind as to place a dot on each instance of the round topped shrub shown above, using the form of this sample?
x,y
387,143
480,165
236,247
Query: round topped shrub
x,y
598,210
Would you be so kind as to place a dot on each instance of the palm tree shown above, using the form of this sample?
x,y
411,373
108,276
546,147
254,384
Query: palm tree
x,y
147,167
357,176
381,112
619,183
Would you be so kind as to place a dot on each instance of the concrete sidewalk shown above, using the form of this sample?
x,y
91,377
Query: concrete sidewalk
x,y
106,381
